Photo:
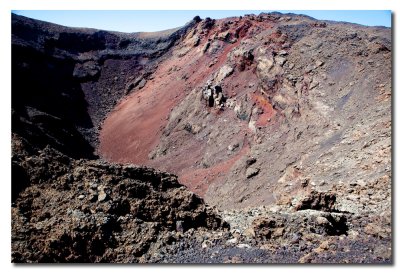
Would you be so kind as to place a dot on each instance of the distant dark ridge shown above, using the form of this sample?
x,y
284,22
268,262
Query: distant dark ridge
x,y
65,80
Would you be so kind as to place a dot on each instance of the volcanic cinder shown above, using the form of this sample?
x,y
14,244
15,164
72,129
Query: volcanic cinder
x,y
282,123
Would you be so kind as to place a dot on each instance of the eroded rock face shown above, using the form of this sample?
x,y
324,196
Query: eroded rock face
x,y
88,211
301,96
317,201
283,112
66,80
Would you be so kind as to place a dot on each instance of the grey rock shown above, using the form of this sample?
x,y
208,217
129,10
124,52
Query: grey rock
x,y
142,83
179,226
250,172
102,197
87,70
320,220
233,147
250,161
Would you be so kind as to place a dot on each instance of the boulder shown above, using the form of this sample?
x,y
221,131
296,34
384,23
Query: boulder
x,y
250,172
223,73
87,70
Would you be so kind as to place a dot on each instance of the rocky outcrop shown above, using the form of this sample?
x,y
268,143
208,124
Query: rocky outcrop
x,y
295,93
213,96
282,122
73,77
317,201
278,234
88,211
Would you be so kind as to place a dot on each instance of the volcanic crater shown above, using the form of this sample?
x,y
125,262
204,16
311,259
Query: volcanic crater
x,y
277,127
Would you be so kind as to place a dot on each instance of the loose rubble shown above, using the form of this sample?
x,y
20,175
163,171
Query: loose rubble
x,y
278,127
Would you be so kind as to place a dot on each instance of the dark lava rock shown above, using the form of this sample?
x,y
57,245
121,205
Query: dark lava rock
x,y
295,81
55,220
318,201
62,79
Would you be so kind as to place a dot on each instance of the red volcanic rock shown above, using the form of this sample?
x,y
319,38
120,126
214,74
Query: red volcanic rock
x,y
283,91
282,122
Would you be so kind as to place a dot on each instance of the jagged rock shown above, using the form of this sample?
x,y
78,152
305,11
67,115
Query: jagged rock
x,y
322,220
206,244
233,147
213,96
250,161
141,84
282,53
305,182
280,60
232,241
243,246
179,226
135,206
102,197
249,232
195,41
250,172
223,73
317,201
86,70
292,88
205,47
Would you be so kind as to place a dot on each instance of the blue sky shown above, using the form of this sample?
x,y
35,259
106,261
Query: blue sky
x,y
135,21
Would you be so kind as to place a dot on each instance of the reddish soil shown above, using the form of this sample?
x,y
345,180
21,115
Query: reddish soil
x,y
133,129
198,180
308,179
268,112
